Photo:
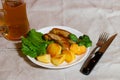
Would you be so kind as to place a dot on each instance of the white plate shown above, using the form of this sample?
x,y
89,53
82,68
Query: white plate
x,y
63,65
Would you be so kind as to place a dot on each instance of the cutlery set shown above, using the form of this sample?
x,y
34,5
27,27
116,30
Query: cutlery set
x,y
101,46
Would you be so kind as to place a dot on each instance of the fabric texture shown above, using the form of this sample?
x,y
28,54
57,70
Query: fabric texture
x,y
90,17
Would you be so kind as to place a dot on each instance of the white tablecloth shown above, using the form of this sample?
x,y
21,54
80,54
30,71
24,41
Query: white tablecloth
x,y
91,17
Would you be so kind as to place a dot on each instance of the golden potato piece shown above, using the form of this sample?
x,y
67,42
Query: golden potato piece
x,y
54,49
74,48
81,50
77,49
44,58
70,56
57,60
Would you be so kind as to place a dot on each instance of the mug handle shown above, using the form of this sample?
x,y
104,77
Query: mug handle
x,y
3,28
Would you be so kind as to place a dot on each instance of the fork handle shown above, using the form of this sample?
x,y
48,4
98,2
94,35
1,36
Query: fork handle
x,y
91,64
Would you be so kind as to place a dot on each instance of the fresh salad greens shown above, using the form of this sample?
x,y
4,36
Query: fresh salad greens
x,y
34,45
82,40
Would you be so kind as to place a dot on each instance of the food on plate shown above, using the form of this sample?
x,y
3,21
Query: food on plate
x,y
56,46
69,56
34,45
81,50
73,37
75,48
59,39
54,49
57,60
44,58
60,32
84,40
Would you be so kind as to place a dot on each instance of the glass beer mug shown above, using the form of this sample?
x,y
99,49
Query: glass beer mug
x,y
15,19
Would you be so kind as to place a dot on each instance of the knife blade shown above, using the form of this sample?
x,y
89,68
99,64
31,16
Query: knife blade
x,y
88,67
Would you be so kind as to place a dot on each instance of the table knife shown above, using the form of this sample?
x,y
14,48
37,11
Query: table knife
x,y
88,67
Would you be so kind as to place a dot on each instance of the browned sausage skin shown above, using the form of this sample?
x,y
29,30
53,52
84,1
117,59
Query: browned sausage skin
x,y
60,32
59,39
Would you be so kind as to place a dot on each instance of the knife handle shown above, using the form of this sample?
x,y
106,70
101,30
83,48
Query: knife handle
x,y
91,64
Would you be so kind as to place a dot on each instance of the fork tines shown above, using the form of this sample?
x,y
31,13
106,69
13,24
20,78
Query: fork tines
x,y
103,37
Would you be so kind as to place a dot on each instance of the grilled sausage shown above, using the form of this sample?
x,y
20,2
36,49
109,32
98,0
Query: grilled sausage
x,y
59,39
60,32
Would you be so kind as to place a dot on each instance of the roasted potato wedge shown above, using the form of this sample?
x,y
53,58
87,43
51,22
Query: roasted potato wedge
x,y
81,50
54,49
57,60
44,58
78,50
70,56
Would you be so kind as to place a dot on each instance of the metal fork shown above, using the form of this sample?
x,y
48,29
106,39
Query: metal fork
x,y
102,39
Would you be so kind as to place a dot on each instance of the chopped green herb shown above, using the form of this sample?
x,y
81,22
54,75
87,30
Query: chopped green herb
x,y
73,37
84,40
